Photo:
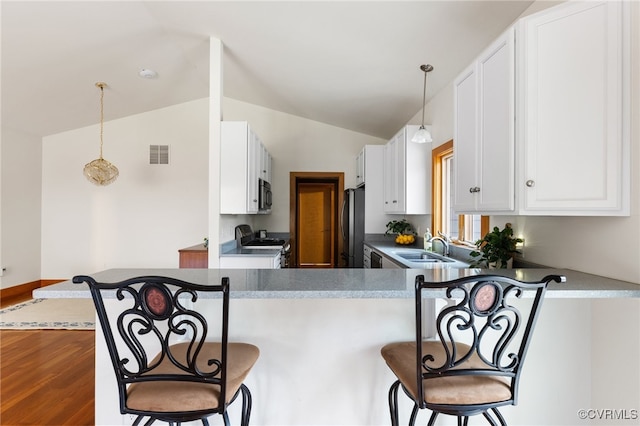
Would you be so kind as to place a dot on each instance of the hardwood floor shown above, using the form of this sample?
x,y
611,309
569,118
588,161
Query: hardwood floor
x,y
47,377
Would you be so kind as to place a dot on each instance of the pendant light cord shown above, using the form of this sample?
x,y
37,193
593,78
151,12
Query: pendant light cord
x,y
424,96
101,86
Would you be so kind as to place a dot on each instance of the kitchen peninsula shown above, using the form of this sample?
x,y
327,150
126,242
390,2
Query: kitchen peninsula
x,y
320,333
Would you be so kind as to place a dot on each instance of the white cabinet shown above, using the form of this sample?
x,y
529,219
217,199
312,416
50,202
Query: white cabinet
x,y
573,74
360,168
366,258
268,261
484,135
243,160
265,164
390,264
375,219
542,128
407,174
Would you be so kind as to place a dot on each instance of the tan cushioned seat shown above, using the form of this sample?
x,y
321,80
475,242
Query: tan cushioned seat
x,y
188,396
401,358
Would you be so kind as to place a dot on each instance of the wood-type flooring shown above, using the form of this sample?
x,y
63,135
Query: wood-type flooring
x,y
47,377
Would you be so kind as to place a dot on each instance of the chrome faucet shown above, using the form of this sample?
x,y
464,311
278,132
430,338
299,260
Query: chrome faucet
x,y
445,245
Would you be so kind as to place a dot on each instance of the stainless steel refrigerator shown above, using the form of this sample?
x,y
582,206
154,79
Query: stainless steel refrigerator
x,y
352,227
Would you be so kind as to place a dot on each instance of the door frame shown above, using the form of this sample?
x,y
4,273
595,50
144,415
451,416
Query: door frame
x,y
336,178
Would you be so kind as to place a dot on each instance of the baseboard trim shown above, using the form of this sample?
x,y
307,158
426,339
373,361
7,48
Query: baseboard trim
x,y
26,289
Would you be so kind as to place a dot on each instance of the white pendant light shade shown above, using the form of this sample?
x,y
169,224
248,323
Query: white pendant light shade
x,y
423,135
100,171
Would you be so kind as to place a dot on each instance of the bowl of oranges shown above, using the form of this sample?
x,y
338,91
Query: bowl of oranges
x,y
405,239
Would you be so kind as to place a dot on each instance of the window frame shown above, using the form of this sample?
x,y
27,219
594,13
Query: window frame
x,y
437,156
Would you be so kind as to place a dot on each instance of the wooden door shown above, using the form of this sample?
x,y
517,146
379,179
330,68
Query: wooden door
x,y
316,198
316,204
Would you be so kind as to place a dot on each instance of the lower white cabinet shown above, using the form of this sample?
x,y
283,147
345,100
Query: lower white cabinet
x,y
390,264
250,262
366,259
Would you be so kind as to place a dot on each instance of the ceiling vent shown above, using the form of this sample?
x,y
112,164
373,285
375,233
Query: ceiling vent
x,y
158,154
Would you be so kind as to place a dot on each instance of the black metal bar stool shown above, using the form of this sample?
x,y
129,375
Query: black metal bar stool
x,y
170,364
474,365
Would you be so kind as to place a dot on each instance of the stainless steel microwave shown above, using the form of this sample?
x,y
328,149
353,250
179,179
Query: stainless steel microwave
x,y
264,195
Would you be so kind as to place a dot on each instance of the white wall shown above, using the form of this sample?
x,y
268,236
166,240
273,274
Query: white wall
x,y
147,214
299,145
20,179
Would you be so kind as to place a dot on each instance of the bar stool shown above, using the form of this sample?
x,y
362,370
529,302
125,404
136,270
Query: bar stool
x,y
169,364
474,365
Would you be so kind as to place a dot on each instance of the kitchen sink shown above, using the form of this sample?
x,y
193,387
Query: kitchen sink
x,y
422,257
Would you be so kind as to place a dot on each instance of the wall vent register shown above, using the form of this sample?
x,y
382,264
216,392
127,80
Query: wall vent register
x,y
158,154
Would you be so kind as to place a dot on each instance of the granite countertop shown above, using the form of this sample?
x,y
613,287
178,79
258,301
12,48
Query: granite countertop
x,y
350,283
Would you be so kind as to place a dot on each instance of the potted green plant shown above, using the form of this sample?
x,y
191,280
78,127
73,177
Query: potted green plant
x,y
402,230
398,227
496,249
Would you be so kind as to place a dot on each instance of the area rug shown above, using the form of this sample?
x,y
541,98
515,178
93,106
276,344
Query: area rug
x,y
68,314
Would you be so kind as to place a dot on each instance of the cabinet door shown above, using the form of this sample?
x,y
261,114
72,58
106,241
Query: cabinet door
x,y
265,163
400,187
496,142
573,75
360,170
465,140
390,177
484,138
234,167
389,264
253,172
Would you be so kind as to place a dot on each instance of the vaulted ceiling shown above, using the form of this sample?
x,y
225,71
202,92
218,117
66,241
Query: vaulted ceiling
x,y
354,64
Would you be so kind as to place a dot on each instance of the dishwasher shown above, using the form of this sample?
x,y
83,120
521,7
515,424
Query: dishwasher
x,y
376,260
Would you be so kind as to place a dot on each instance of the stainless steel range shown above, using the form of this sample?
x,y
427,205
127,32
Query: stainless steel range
x,y
245,237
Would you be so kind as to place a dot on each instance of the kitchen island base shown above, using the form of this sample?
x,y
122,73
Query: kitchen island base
x,y
320,363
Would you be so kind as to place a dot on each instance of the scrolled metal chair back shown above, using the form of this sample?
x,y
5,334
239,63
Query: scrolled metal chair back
x,y
153,314
479,321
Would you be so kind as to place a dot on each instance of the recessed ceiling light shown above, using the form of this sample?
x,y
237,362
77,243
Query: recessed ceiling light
x,y
147,73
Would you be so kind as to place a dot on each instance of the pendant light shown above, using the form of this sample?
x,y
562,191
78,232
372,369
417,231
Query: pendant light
x,y
100,171
423,135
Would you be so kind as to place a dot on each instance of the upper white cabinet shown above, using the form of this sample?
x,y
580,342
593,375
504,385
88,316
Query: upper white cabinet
x,y
542,116
243,160
372,157
484,135
407,174
573,74
265,164
360,167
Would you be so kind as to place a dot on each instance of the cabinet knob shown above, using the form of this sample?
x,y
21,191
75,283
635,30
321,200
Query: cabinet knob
x,y
474,189
530,183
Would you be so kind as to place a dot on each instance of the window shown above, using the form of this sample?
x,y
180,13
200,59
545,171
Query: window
x,y
464,228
